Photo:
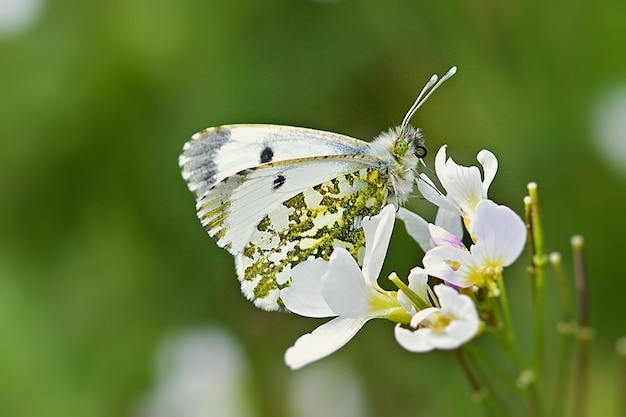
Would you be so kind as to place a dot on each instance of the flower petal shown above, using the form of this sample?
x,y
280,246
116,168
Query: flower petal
x,y
416,227
441,237
463,326
413,340
344,288
490,166
321,342
304,296
377,231
500,234
418,283
451,221
440,262
430,192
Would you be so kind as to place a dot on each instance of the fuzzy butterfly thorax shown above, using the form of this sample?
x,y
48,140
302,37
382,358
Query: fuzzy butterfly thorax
x,y
400,149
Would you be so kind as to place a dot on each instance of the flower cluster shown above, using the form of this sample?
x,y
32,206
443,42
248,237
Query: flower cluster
x,y
440,312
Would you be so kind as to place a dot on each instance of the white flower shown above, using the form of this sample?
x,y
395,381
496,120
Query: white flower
x,y
346,291
464,186
499,236
447,327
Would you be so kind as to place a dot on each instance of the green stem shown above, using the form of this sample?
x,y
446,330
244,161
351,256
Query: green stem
x,y
566,330
620,346
539,262
581,374
481,394
530,386
504,377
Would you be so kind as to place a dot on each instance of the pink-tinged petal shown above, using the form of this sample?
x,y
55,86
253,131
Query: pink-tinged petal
x,y
344,288
304,296
441,237
417,341
321,342
490,166
500,234
377,231
451,221
416,227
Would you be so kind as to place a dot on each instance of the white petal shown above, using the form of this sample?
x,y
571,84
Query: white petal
x,y
490,166
422,315
430,192
462,328
437,263
304,296
416,227
451,301
465,188
466,322
500,234
414,341
457,333
326,339
440,160
418,282
451,221
447,297
344,288
377,231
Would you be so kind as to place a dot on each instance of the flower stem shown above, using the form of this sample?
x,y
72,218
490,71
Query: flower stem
x,y
620,347
527,381
581,374
533,221
566,328
481,394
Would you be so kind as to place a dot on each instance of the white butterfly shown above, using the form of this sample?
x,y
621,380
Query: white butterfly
x,y
275,196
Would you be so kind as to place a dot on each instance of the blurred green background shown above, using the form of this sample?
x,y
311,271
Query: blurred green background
x,y
101,254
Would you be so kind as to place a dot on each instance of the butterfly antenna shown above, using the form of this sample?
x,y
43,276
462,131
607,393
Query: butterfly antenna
x,y
428,89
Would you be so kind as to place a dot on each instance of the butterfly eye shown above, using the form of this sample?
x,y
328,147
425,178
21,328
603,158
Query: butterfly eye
x,y
420,151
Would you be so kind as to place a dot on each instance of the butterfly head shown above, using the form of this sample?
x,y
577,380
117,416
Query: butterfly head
x,y
409,139
402,147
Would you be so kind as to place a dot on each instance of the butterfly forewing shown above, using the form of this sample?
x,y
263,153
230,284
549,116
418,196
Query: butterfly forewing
x,y
217,153
275,216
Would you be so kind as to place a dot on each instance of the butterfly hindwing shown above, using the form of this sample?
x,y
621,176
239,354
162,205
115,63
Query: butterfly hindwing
x,y
274,216
219,152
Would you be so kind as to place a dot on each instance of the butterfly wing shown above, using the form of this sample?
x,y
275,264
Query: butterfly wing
x,y
216,153
276,215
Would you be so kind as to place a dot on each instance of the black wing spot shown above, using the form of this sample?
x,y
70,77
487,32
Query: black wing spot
x,y
279,181
267,154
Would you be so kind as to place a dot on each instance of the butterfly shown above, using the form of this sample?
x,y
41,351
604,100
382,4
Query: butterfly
x,y
275,196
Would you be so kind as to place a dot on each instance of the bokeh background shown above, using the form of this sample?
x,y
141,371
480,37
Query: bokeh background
x,y
115,302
